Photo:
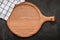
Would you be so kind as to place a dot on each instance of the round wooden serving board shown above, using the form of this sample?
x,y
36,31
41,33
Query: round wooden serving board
x,y
26,19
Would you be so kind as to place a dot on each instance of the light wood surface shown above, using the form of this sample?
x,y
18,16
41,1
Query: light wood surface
x,y
26,20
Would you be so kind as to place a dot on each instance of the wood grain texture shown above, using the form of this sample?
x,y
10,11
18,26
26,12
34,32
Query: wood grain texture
x,y
26,19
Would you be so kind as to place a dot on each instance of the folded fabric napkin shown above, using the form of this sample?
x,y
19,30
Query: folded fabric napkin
x,y
6,7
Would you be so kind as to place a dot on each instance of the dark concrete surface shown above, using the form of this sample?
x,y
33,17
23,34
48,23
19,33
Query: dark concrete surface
x,y
49,30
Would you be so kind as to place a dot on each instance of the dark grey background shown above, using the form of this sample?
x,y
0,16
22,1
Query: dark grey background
x,y
49,30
